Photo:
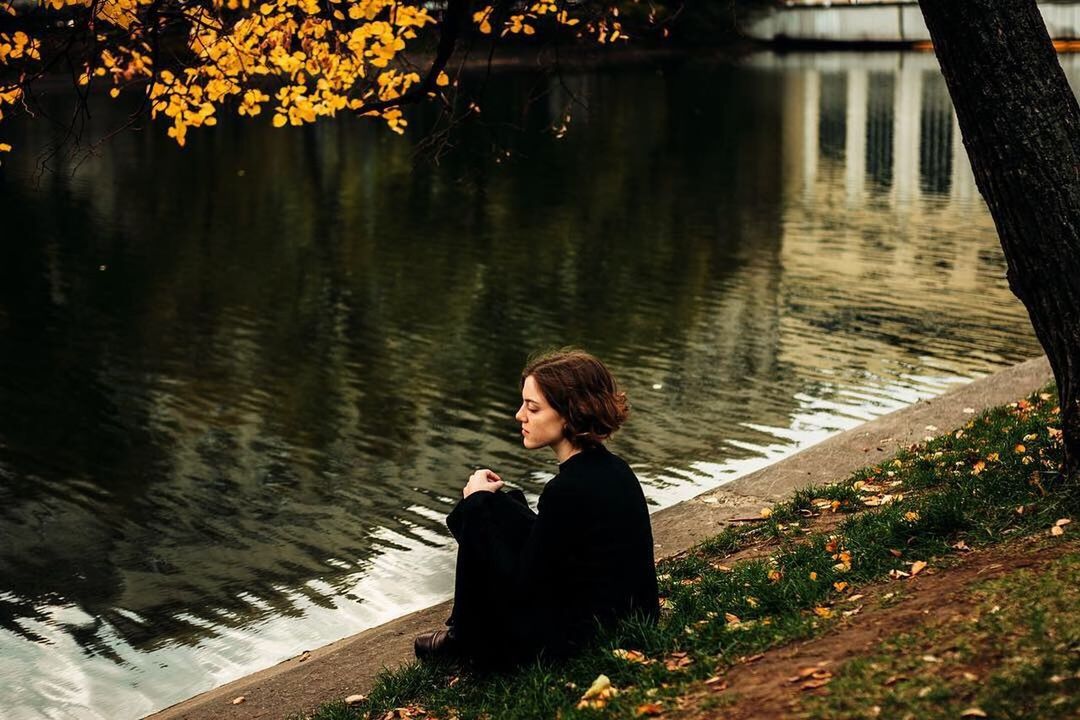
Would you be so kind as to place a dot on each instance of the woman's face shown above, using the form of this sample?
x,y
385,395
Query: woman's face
x,y
541,425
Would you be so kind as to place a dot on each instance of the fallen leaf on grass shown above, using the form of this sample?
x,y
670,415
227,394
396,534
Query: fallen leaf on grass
x,y
893,679
961,545
714,679
840,586
631,656
895,553
732,618
649,709
765,512
677,661
978,467
355,699
1062,522
1056,530
973,712
598,693
917,567
822,612
854,598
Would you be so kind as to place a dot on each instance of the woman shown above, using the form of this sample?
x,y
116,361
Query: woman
x,y
544,582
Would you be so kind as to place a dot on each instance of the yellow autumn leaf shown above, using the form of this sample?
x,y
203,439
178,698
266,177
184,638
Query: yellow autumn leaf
x,y
442,80
822,612
917,567
4,147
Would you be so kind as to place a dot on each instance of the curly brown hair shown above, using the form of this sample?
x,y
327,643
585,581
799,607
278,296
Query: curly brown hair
x,y
583,391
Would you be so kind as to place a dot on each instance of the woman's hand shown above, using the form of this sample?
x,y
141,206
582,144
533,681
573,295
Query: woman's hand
x,y
482,481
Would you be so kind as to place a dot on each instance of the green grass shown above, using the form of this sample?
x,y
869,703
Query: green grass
x,y
1016,655
964,485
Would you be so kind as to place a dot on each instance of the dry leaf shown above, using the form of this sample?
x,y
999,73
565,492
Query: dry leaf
x,y
840,586
649,709
895,553
823,612
713,680
1062,522
917,567
732,618
598,693
238,700
765,512
814,684
805,673
632,656
304,656
973,712
1056,530
355,699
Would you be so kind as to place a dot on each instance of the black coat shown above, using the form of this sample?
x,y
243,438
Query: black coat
x,y
541,581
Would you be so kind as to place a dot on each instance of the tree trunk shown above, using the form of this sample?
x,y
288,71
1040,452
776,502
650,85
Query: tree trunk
x,y
1021,127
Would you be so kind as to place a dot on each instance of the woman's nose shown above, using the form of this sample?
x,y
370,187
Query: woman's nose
x,y
520,415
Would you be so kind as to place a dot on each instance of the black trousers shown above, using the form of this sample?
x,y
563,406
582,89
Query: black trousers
x,y
490,619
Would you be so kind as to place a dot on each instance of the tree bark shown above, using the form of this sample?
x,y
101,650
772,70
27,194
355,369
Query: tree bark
x,y
1021,126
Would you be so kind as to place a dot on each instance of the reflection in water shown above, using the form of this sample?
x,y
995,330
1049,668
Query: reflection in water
x,y
244,382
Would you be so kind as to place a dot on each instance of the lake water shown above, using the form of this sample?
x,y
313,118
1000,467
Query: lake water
x,y
241,384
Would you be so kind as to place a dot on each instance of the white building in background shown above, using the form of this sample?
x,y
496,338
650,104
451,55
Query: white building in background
x,y
875,21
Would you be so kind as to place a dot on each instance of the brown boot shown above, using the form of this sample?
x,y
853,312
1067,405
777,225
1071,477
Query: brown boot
x,y
435,644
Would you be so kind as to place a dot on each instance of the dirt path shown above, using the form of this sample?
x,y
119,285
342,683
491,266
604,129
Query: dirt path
x,y
765,688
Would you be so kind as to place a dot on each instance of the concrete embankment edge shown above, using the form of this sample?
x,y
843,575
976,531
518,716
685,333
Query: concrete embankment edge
x,y
350,665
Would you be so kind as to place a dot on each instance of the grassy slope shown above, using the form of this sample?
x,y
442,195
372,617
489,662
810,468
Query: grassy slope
x,y
997,477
